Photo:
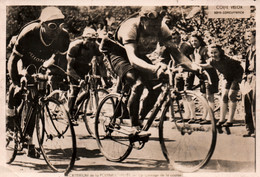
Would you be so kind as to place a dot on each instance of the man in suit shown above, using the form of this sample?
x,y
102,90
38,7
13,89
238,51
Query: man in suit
x,y
250,79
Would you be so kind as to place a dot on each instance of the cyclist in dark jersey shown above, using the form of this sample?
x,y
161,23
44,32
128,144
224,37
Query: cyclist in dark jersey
x,y
136,37
38,43
80,55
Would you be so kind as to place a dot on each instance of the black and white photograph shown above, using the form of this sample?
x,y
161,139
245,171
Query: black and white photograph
x,y
129,88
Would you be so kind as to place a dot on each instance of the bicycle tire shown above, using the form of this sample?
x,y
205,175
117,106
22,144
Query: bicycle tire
x,y
14,138
187,147
56,135
90,106
111,132
12,143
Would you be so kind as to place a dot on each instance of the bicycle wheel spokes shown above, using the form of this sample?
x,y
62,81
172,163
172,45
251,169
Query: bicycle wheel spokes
x,y
111,134
90,108
188,147
56,136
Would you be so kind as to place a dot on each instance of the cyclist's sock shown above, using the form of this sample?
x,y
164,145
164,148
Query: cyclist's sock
x,y
10,112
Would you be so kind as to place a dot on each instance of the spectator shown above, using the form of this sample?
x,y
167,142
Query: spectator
x,y
232,72
200,56
109,18
249,80
101,31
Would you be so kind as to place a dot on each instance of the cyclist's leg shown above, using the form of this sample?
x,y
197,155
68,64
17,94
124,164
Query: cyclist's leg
x,y
33,151
134,81
14,100
128,75
149,101
73,92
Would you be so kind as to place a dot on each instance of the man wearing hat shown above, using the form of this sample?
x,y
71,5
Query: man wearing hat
x,y
40,43
139,36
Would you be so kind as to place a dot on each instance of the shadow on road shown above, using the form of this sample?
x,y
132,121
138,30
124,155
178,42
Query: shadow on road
x,y
86,153
128,164
40,168
230,166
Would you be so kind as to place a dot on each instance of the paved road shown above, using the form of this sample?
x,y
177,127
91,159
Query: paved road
x,y
233,153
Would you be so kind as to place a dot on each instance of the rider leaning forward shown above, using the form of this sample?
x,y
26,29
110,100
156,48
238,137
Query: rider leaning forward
x,y
136,37
39,43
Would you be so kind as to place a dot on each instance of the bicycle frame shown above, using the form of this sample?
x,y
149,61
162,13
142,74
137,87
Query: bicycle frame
x,y
32,96
169,89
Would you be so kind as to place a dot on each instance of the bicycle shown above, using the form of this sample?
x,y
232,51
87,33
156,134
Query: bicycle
x,y
181,143
87,101
55,133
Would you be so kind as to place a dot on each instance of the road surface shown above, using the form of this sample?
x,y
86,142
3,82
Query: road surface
x,y
233,153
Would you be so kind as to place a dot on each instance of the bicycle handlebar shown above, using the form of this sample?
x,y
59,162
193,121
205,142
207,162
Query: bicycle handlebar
x,y
179,69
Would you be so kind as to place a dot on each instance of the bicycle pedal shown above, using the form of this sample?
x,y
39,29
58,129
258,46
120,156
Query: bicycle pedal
x,y
139,137
74,123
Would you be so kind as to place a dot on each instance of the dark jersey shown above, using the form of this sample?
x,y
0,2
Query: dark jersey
x,y
31,48
83,55
229,68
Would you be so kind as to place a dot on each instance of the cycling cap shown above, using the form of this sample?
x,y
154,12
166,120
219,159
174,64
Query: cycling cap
x,y
51,13
150,11
89,33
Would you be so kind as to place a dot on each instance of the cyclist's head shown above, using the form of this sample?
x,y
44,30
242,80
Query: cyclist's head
x,y
52,21
152,12
89,35
50,14
151,17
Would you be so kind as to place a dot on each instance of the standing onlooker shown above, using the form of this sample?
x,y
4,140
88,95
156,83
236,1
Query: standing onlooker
x,y
250,79
101,31
232,72
200,56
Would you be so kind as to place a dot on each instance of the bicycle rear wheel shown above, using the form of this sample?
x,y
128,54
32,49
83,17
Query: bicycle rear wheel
x,y
187,147
56,136
112,133
90,107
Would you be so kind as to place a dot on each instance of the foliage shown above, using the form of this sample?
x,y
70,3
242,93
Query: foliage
x,y
228,31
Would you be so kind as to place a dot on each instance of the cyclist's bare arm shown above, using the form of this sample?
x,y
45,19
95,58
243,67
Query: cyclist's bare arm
x,y
71,61
12,68
206,65
180,58
137,62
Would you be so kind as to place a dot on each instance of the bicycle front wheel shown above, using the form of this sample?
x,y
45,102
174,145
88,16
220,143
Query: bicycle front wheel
x,y
90,108
14,142
111,131
187,147
11,146
56,136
